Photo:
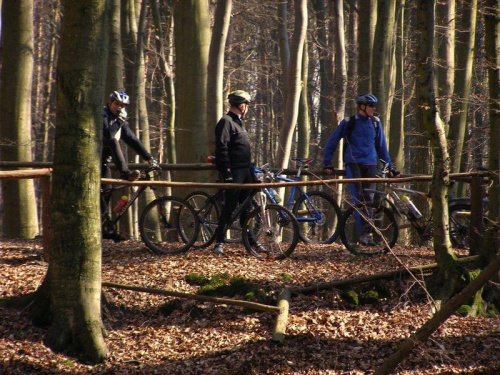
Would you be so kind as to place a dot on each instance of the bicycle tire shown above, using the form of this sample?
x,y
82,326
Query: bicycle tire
x,y
163,220
384,229
459,225
277,231
314,230
208,211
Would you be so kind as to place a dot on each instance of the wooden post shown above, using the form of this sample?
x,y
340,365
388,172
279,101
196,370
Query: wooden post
x,y
46,225
476,230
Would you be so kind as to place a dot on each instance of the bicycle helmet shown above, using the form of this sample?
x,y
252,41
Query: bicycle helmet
x,y
239,97
366,99
120,96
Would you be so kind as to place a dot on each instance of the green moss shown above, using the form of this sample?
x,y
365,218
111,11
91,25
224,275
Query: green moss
x,y
464,310
350,296
370,296
196,279
285,277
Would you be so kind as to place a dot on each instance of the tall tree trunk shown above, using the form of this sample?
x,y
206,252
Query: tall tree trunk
x,y
215,100
166,149
340,60
303,124
293,85
192,40
382,56
114,75
428,116
74,275
446,15
396,130
463,86
492,45
353,55
367,24
284,46
15,116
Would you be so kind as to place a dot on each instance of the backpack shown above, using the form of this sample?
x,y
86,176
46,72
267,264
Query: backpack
x,y
351,124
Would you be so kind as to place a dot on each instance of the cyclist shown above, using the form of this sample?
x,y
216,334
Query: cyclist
x,y
233,161
115,127
364,145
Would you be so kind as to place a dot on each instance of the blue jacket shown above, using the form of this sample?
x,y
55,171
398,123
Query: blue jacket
x,y
366,145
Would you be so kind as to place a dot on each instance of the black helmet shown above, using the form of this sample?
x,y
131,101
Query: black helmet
x,y
366,99
120,96
239,97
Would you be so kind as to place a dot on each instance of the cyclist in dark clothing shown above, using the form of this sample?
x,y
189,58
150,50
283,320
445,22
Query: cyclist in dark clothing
x,y
364,145
233,161
115,127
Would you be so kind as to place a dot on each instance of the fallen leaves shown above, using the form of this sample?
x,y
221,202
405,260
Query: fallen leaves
x,y
325,335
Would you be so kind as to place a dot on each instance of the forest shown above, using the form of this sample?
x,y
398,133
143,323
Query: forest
x,y
434,66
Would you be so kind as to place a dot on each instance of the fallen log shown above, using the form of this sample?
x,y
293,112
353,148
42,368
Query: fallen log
x,y
282,318
366,278
217,300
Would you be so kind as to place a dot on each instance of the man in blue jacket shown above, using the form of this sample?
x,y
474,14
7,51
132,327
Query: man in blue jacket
x,y
364,145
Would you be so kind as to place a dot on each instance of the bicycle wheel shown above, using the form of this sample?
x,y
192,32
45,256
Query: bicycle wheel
x,y
318,215
459,225
169,225
275,229
371,237
208,212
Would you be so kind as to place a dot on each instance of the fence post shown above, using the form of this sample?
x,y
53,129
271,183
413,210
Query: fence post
x,y
476,229
46,225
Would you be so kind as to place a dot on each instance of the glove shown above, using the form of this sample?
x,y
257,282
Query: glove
x,y
227,176
153,163
394,173
329,170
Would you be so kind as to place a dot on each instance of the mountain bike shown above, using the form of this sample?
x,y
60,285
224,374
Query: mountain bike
x,y
317,213
168,225
271,225
371,228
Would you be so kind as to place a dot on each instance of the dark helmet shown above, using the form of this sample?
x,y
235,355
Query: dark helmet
x,y
120,96
366,99
239,97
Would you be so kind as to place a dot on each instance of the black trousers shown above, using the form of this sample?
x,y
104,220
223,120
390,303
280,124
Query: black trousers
x,y
232,198
111,151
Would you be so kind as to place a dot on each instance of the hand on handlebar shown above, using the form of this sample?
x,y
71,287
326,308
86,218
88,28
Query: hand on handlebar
x,y
394,173
329,170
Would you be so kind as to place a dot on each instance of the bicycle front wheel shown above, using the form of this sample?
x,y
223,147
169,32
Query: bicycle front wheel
x,y
368,229
318,215
208,212
169,225
459,225
275,229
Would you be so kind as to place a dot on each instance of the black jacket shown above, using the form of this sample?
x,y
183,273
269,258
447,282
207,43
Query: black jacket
x,y
232,146
117,128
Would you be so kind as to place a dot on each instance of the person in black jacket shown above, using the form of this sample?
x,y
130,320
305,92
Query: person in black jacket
x,y
115,127
233,160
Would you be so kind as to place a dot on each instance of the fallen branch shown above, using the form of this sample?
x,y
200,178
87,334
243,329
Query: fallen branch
x,y
282,318
171,293
378,276
424,332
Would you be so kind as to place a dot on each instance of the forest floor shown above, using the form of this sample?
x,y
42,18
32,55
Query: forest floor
x,y
325,334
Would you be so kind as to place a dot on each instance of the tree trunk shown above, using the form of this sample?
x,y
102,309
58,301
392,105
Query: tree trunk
x,y
192,39
382,56
215,100
284,46
492,44
74,276
367,24
396,130
463,78
445,44
340,61
15,116
114,75
303,124
293,85
428,116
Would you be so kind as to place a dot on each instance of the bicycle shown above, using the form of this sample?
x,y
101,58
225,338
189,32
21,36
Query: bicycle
x,y
317,213
168,224
376,220
271,225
